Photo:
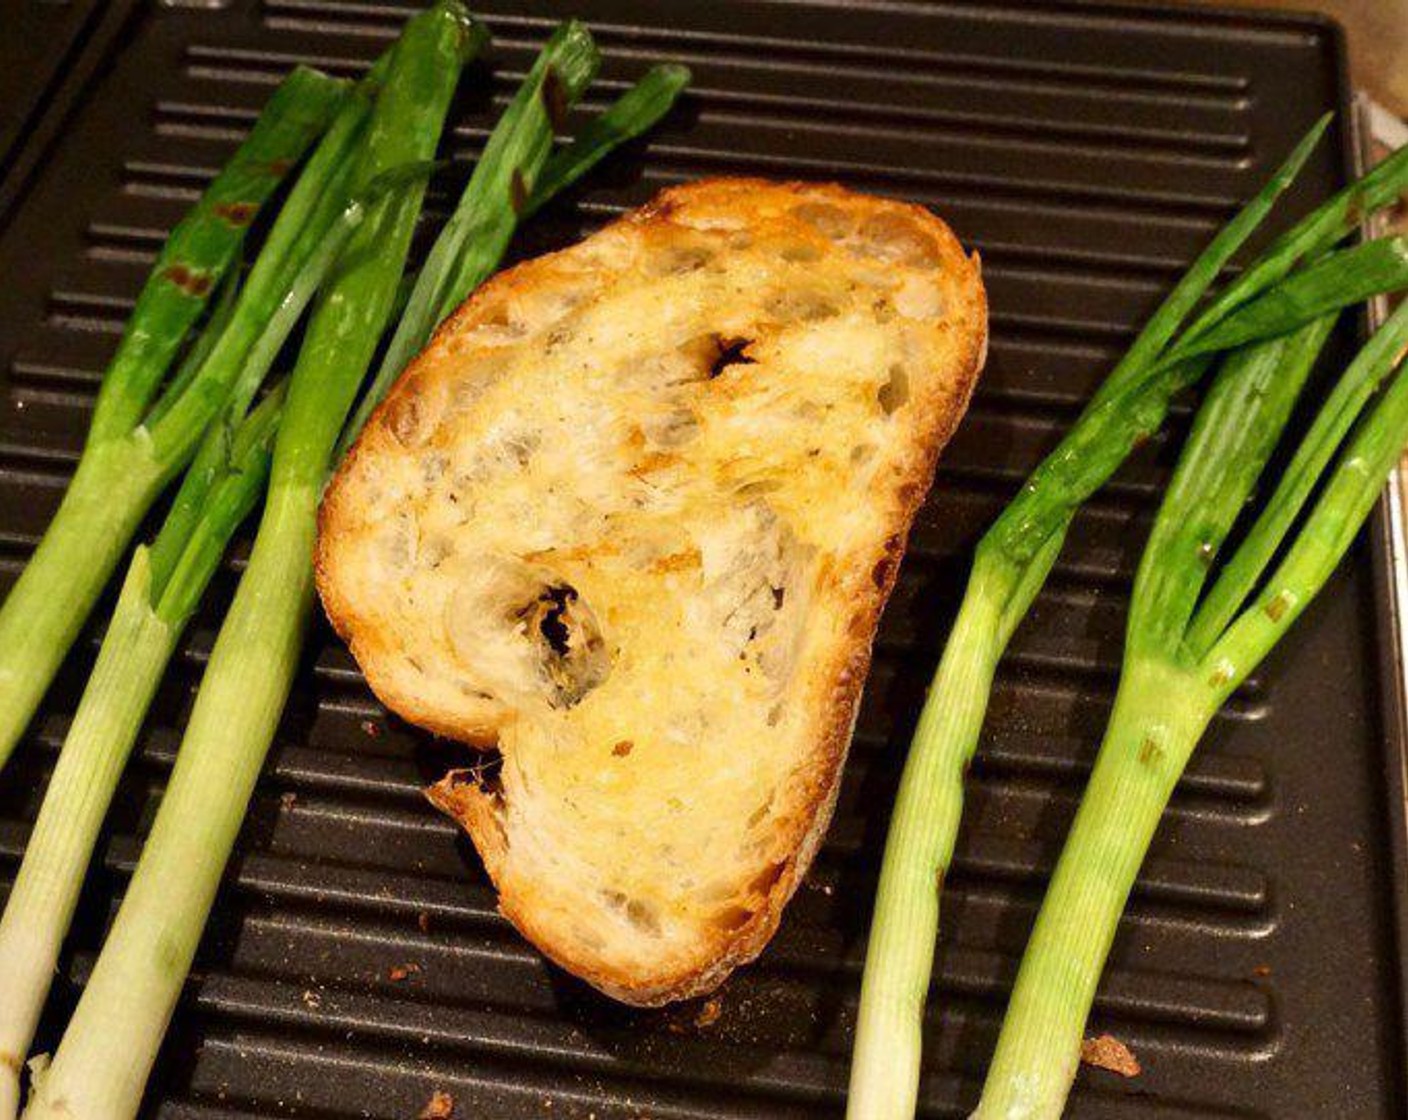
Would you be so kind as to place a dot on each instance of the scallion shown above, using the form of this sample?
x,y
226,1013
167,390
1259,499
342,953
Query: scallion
x,y
1177,673
106,1053
163,585
123,466
1010,567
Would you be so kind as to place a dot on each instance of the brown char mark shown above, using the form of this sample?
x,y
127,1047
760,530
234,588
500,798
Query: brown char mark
x,y
554,97
518,191
237,214
194,282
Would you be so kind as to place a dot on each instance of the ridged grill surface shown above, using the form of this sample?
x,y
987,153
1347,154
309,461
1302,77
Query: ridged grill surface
x,y
356,961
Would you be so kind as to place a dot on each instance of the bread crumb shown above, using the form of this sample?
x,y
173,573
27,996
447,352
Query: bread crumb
x,y
440,1106
709,1013
312,1000
400,972
1262,971
1108,1052
288,801
423,921
370,729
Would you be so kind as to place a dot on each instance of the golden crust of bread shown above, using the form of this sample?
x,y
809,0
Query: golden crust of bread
x,y
631,519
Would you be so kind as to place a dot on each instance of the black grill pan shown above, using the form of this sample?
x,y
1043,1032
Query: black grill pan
x,y
1088,151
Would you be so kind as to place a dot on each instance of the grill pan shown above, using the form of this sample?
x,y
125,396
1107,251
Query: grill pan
x,y
355,962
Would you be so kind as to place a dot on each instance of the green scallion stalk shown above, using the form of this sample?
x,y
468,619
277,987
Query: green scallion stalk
x,y
102,1063
221,488
1326,226
1010,567
631,115
1170,688
161,589
1308,240
200,350
123,468
205,243
1240,575
1009,570
1349,276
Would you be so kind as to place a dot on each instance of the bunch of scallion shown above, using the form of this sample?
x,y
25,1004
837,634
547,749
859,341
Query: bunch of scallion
x,y
1188,646
1295,283
143,433
361,194
162,588
101,1066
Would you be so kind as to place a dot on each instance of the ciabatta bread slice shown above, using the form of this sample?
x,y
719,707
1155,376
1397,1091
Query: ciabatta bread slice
x,y
631,519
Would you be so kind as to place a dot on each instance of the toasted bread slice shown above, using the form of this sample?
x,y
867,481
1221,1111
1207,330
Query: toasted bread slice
x,y
631,519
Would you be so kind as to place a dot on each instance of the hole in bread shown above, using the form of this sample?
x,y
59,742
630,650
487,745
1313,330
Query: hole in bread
x,y
763,882
486,774
550,624
551,309
731,919
707,356
759,487
433,551
640,914
401,415
709,222
433,467
828,220
643,916
746,561
522,632
894,394
672,429
798,305
760,814
571,651
520,448
800,252
498,326
589,938
472,380
872,276
679,260
896,238
396,543
862,453
728,352
919,297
